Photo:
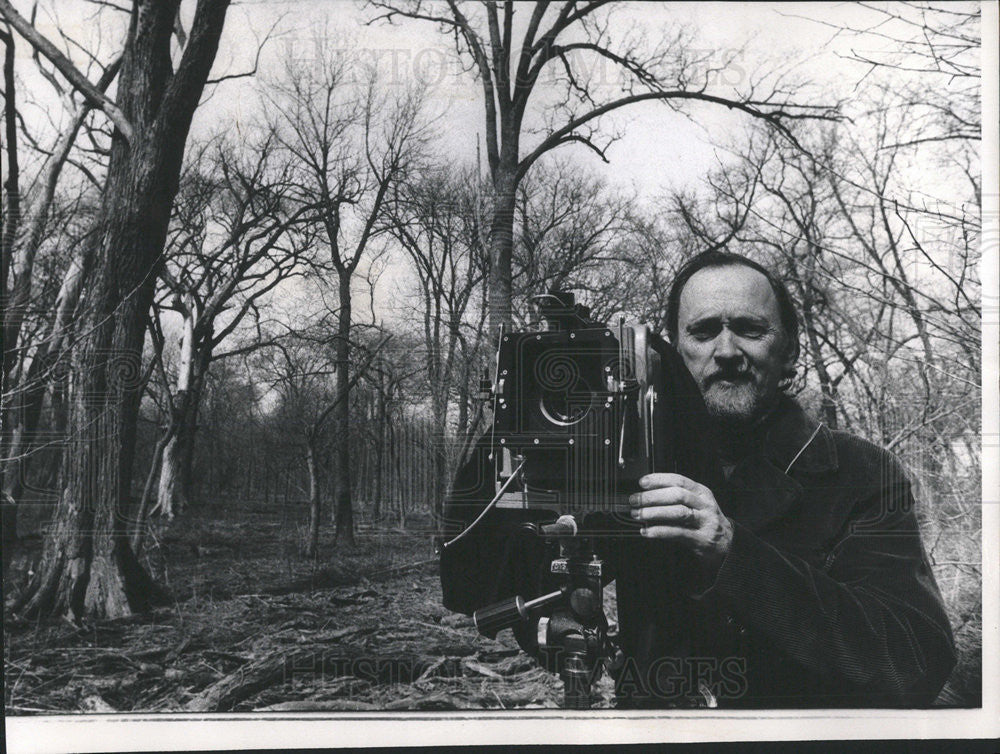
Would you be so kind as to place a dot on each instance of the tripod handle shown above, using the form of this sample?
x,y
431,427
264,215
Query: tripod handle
x,y
508,613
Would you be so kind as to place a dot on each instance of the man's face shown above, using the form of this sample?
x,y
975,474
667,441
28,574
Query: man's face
x,y
730,336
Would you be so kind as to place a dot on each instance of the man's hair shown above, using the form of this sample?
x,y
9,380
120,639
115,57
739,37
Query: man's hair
x,y
716,259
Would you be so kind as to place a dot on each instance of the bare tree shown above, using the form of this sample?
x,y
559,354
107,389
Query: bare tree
x,y
303,374
571,230
436,220
929,55
923,263
87,567
917,239
389,379
350,146
568,42
30,193
236,238
303,370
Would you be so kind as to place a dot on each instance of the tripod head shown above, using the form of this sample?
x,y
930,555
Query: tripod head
x,y
569,623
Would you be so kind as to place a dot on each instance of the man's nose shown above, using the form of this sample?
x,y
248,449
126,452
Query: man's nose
x,y
725,347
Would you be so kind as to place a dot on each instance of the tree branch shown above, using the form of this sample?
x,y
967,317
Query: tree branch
x,y
184,89
773,117
96,97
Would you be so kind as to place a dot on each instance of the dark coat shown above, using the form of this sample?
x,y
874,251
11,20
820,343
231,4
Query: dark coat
x,y
825,599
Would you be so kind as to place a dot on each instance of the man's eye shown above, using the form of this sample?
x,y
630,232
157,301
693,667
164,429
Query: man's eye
x,y
704,332
750,331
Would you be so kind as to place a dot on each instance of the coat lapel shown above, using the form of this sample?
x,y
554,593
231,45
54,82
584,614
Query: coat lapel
x,y
758,491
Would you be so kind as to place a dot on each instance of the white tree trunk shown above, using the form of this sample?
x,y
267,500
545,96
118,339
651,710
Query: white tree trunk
x,y
169,496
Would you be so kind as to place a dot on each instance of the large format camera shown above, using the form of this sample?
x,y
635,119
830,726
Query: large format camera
x,y
587,408
581,411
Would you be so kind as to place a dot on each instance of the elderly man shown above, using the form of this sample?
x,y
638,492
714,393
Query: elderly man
x,y
800,579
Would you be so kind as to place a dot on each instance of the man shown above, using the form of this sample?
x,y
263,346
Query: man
x,y
800,580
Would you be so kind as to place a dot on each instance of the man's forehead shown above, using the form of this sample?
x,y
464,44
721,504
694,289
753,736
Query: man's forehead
x,y
731,291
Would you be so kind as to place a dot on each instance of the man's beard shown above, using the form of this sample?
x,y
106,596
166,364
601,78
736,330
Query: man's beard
x,y
739,400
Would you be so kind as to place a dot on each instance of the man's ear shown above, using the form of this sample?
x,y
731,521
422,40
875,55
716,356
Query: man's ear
x,y
792,352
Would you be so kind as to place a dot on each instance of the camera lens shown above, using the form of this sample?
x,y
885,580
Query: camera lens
x,y
564,408
563,393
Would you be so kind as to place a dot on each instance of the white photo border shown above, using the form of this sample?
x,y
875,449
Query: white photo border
x,y
250,731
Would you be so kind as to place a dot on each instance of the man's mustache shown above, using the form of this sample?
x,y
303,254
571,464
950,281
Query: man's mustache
x,y
739,375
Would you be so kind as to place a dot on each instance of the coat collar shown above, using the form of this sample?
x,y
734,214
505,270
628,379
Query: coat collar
x,y
759,490
793,435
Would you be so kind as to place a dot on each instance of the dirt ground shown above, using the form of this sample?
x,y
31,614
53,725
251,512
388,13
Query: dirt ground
x,y
256,627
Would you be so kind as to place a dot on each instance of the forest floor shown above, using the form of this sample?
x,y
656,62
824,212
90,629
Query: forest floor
x,y
256,627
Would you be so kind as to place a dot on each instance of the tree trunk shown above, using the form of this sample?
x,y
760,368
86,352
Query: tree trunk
x,y
168,499
502,250
828,390
463,399
439,451
401,454
188,429
312,544
8,233
22,414
342,417
142,510
380,428
87,567
174,493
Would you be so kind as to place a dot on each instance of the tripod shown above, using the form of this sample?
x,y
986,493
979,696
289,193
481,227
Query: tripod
x,y
570,623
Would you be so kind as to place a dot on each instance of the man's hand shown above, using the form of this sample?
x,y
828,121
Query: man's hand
x,y
672,506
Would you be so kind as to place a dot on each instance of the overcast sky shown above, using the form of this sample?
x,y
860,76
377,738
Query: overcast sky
x,y
659,147
659,150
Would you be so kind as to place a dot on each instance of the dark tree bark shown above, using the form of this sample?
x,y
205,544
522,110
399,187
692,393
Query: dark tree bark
x,y
11,217
381,419
11,198
42,378
23,233
344,510
343,506
87,567
315,499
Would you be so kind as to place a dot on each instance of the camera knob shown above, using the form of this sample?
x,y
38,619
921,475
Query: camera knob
x,y
584,602
529,529
564,526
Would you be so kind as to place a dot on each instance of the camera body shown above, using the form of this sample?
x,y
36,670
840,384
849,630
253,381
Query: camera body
x,y
581,403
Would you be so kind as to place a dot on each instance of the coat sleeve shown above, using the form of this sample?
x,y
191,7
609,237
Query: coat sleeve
x,y
870,621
